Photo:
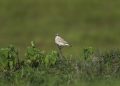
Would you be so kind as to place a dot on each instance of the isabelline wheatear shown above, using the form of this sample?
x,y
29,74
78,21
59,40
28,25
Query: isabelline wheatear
x,y
60,42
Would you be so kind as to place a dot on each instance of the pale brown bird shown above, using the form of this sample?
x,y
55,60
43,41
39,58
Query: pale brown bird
x,y
60,41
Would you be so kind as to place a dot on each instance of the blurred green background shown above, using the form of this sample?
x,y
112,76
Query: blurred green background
x,y
83,23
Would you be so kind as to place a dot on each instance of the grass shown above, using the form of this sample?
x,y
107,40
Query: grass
x,y
48,69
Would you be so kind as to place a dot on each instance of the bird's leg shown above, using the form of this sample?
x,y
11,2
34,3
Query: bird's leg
x,y
60,51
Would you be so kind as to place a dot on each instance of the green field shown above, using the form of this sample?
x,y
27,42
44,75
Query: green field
x,y
83,23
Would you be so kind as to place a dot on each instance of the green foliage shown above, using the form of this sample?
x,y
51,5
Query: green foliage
x,y
33,55
39,68
3,58
9,57
12,57
51,58
88,53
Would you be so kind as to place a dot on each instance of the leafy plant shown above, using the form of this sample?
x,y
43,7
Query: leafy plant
x,y
39,68
51,58
9,57
34,56
88,53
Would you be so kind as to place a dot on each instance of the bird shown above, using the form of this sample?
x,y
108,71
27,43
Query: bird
x,y
61,42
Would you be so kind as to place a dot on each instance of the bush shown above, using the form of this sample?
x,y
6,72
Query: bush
x,y
40,68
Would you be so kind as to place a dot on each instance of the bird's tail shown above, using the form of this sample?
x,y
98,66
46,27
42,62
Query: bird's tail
x,y
69,45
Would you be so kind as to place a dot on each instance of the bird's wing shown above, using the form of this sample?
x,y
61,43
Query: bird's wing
x,y
62,40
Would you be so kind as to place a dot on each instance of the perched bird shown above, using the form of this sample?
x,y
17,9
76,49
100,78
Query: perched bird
x,y
60,41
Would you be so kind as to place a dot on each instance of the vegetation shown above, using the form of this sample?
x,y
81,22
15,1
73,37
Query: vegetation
x,y
47,69
82,23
